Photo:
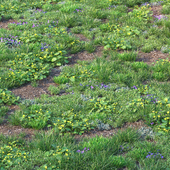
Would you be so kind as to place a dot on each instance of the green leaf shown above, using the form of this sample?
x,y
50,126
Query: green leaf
x,y
41,77
27,40
54,59
59,56
58,64
72,79
107,46
36,76
57,53
66,61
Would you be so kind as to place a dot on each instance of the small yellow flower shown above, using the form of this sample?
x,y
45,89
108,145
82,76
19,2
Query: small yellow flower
x,y
168,105
166,99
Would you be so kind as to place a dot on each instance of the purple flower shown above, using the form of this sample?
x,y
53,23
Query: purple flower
x,y
134,87
92,87
152,123
78,151
80,84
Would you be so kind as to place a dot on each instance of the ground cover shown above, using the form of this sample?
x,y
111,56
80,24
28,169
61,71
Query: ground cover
x,y
84,84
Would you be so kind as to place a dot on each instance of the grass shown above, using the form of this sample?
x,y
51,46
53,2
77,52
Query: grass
x,y
40,41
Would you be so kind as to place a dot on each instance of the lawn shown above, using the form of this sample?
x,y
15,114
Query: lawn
x,y
84,84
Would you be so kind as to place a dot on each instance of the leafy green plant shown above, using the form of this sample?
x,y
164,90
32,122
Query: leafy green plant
x,y
116,43
147,48
139,65
167,23
12,155
120,31
118,161
127,56
89,47
7,98
47,7
63,86
34,83
28,37
26,68
114,2
161,70
53,58
59,154
3,110
60,79
141,13
35,117
53,89
102,109
72,122
165,9
161,120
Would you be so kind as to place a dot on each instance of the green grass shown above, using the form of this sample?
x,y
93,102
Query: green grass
x,y
95,89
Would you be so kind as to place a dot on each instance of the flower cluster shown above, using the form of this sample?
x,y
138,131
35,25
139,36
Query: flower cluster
x,y
43,46
39,10
11,155
154,156
78,10
159,17
82,150
10,41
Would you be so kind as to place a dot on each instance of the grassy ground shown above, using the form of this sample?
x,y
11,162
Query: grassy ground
x,y
101,93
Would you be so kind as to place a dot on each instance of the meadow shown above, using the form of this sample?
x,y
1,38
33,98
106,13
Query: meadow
x,y
84,84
